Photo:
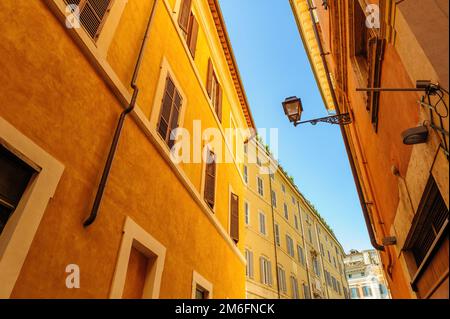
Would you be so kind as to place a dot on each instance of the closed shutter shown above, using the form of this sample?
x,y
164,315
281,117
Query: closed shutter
x,y
92,14
219,103
261,270
234,222
269,272
375,57
210,179
209,78
170,112
183,17
251,264
192,35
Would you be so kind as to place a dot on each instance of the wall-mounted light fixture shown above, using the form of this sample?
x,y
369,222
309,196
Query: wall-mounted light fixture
x,y
415,135
293,109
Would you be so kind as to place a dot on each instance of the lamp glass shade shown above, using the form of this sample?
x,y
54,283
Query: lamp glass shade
x,y
293,108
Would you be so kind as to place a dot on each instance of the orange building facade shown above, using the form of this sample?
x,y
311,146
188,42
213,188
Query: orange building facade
x,y
404,189
163,229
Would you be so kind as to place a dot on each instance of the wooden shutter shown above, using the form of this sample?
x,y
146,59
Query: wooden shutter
x,y
210,179
183,17
219,103
192,34
234,218
209,78
92,14
374,59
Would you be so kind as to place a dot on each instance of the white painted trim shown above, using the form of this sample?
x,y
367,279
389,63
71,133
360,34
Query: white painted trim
x,y
135,236
206,285
19,232
101,45
166,70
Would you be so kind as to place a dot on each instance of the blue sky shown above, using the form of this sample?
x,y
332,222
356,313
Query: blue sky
x,y
273,65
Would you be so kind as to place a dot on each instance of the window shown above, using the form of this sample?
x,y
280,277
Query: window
x,y
170,112
245,174
260,186
283,188
277,235
293,200
316,267
334,262
214,90
282,279
382,289
286,212
329,256
200,293
310,235
354,293
295,222
201,288
249,267
367,56
262,223
301,256
274,199
210,179
338,287
321,250
140,260
234,217
189,25
290,246
429,222
294,288
333,280
247,213
367,291
15,176
93,14
258,161
265,271
306,292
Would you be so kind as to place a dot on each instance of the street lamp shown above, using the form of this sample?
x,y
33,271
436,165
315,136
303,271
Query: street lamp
x,y
293,109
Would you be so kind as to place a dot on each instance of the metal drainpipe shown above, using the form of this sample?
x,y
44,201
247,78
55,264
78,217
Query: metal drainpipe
x,y
304,246
274,240
101,188
344,136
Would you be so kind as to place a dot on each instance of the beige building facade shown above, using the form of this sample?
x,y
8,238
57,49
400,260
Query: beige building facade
x,y
290,252
365,275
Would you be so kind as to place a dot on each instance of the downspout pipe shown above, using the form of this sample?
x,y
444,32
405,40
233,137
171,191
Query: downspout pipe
x,y
101,188
359,189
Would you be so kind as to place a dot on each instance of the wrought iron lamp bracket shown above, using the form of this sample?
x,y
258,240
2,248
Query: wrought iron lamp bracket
x,y
340,119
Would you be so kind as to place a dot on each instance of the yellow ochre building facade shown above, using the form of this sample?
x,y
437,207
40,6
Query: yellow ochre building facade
x,y
291,253
162,229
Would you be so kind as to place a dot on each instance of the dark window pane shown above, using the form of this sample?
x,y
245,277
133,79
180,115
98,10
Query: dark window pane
x,y
14,177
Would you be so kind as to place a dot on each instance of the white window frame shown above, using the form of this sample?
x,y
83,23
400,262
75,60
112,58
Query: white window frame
x,y
100,46
264,232
166,70
19,232
245,173
277,235
258,178
135,236
250,271
204,284
247,218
